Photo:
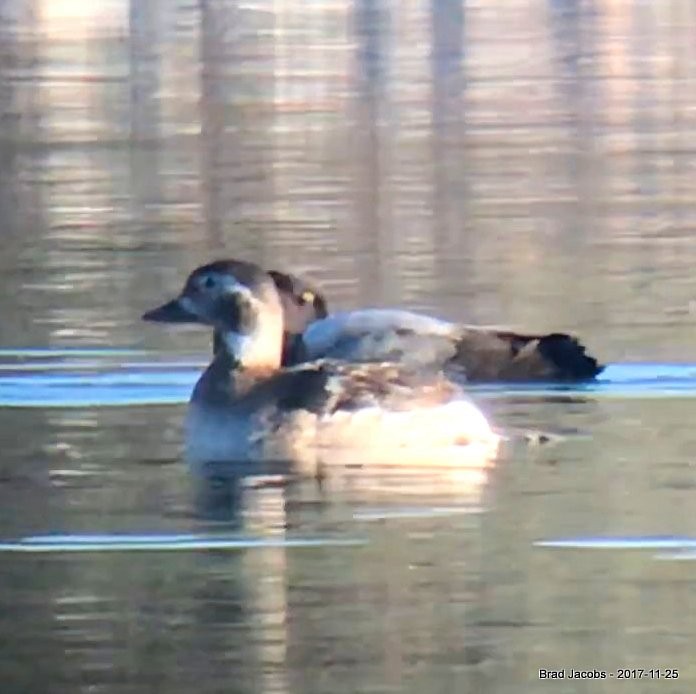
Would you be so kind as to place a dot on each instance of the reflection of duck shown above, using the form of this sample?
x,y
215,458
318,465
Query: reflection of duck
x,y
480,353
246,408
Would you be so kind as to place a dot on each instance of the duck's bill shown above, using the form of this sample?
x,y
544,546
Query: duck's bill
x,y
171,312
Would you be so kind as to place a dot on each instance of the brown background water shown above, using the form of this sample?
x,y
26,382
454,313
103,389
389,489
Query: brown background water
x,y
525,163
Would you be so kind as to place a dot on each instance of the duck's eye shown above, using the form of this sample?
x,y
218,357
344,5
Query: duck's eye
x,y
306,297
209,282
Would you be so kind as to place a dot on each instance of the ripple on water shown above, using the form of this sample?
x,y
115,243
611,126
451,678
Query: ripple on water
x,y
93,378
109,378
652,542
164,543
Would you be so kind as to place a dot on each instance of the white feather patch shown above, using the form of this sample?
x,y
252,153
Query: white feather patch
x,y
241,347
322,335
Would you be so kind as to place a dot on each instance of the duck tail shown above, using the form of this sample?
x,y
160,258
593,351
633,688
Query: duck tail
x,y
569,357
489,354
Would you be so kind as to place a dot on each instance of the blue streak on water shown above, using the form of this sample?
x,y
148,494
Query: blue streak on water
x,y
616,381
621,542
89,378
82,365
163,542
52,352
112,378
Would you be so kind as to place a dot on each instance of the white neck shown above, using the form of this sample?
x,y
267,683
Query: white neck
x,y
260,349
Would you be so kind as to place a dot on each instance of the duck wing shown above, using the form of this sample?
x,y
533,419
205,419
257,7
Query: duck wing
x,y
370,335
415,340
328,386
492,354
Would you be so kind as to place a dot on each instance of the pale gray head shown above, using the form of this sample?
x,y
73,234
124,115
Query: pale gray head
x,y
240,301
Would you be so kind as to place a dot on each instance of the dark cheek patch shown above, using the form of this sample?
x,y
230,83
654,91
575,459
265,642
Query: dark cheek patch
x,y
239,314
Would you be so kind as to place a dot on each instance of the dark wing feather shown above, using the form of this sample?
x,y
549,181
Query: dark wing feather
x,y
327,386
478,354
485,354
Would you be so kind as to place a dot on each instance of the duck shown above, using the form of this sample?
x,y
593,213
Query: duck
x,y
477,354
248,408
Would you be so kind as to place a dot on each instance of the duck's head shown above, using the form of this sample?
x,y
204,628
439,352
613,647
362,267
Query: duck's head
x,y
240,301
302,303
